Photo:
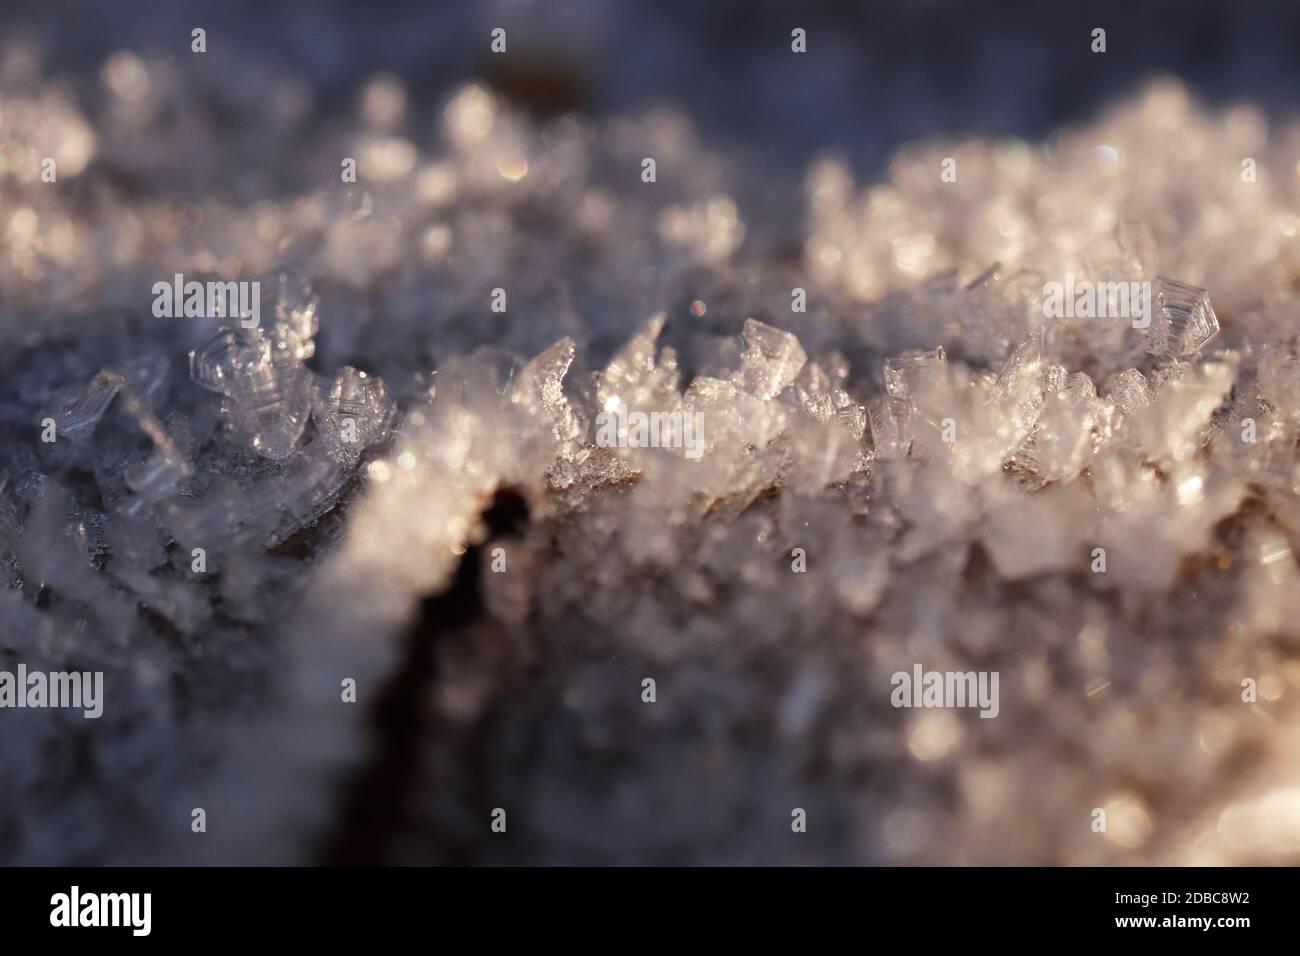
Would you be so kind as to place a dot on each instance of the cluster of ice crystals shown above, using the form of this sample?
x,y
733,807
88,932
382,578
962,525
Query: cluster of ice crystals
x,y
921,468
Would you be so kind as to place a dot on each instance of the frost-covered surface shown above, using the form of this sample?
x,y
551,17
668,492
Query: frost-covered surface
x,y
824,431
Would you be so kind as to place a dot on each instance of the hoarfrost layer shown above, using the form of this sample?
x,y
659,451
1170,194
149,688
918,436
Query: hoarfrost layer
x,y
945,460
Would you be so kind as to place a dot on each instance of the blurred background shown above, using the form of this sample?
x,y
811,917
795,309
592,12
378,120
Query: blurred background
x,y
878,73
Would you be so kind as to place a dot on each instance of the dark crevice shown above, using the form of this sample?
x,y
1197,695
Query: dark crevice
x,y
375,809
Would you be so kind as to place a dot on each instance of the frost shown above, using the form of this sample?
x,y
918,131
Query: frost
x,y
324,493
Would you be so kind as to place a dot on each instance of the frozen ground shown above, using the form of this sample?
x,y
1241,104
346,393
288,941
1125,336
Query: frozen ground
x,y
946,458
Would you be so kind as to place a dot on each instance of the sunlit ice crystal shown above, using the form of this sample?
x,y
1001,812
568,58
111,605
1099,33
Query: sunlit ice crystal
x,y
1260,445
1173,427
890,435
956,420
1182,319
771,359
739,430
267,402
272,420
1279,379
295,322
227,360
820,407
539,389
914,370
812,381
1129,391
539,386
1017,393
1060,442
352,412
992,310
632,379
1021,379
818,392
822,452
851,416
1248,407
823,377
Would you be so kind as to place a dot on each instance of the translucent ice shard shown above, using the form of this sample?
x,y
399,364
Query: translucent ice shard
x,y
540,384
227,515
1021,378
78,409
771,360
632,379
1176,425
1061,440
889,434
706,390
1279,379
1129,391
309,490
295,324
352,412
1258,444
851,416
147,374
224,361
539,389
812,382
166,466
268,402
1018,392
1182,319
820,407
990,311
914,370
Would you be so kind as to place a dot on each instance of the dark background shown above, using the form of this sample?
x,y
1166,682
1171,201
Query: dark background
x,y
876,74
